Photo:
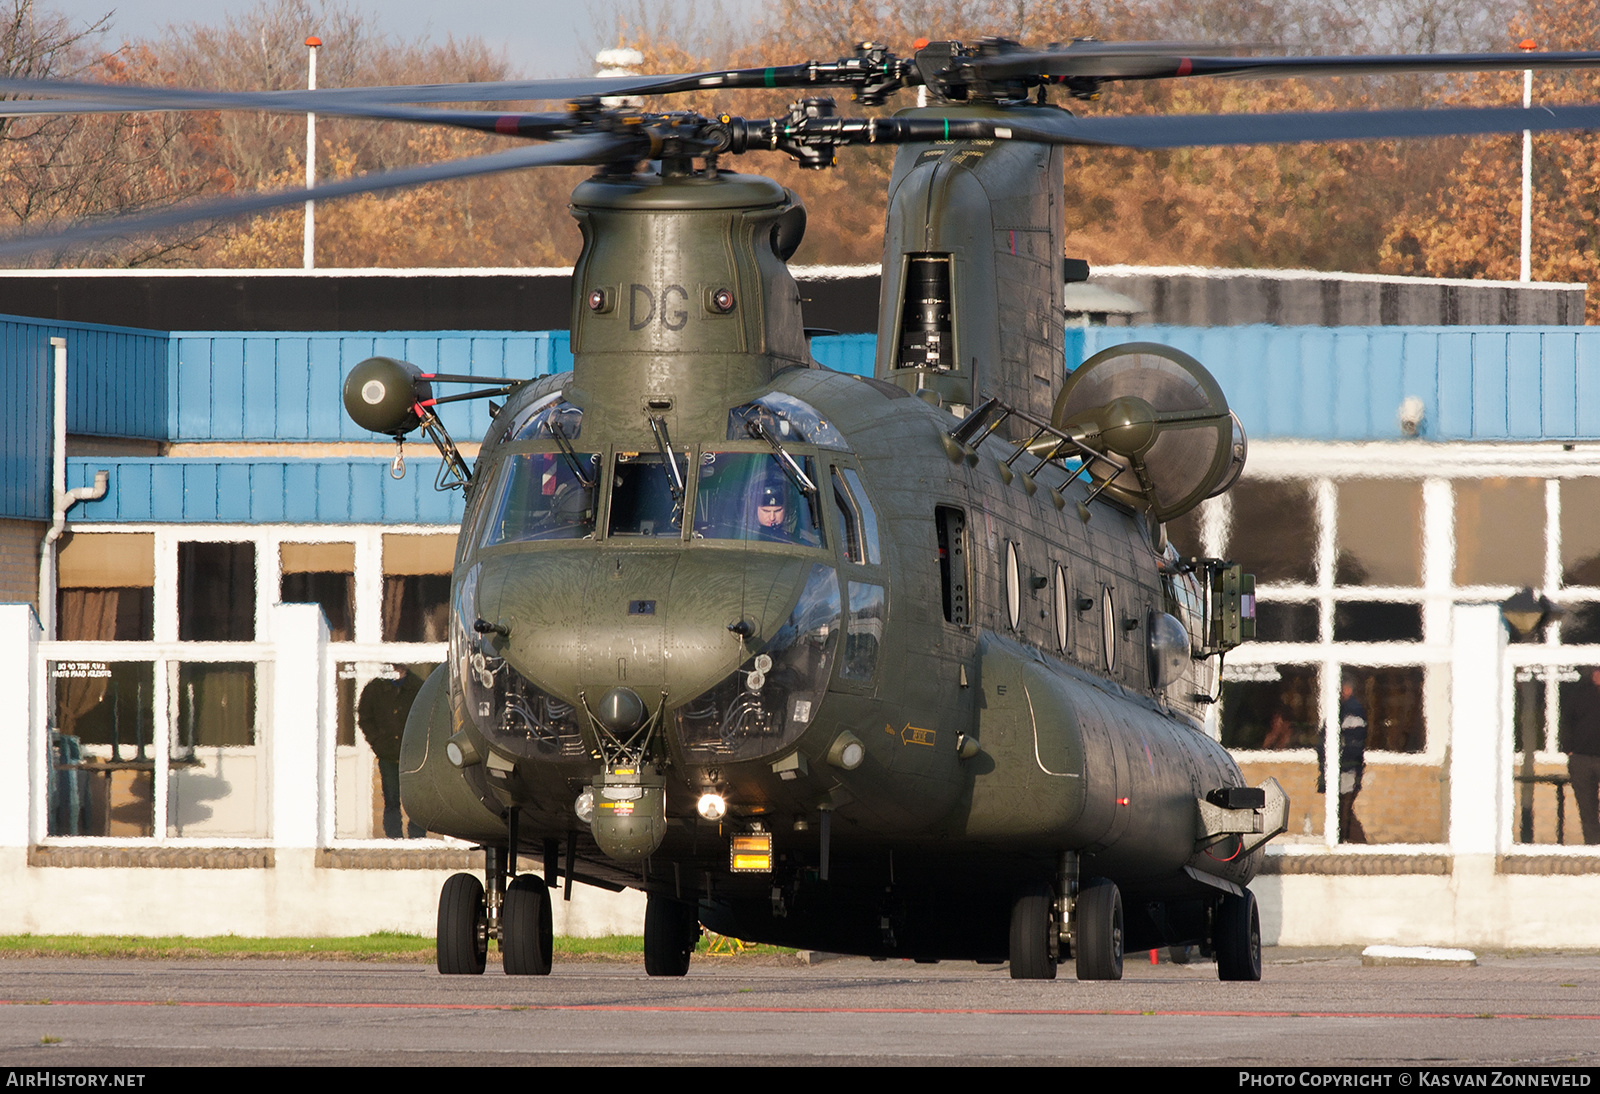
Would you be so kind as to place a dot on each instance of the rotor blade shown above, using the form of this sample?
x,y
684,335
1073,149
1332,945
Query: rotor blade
x,y
103,98
1202,130
483,121
1161,62
586,149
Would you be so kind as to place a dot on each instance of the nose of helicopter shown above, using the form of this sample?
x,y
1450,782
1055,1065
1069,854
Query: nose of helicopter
x,y
633,618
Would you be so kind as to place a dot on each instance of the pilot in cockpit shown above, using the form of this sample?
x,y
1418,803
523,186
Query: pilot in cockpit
x,y
772,512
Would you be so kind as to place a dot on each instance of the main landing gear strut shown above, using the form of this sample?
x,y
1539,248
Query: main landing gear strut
x,y
514,909
1050,922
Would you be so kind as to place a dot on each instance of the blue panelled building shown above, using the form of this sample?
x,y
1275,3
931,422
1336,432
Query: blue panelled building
x,y
1400,479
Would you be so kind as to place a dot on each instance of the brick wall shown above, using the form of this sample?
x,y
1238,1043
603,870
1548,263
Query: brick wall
x,y
1398,803
19,561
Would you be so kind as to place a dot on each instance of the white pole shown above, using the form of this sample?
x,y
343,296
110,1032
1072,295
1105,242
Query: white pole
x,y
1527,170
309,256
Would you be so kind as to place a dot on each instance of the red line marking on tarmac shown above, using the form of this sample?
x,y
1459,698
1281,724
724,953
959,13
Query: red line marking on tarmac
x,y
643,1009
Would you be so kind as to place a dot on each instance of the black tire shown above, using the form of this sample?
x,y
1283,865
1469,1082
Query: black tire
x,y
1033,922
461,944
1236,938
526,937
1099,931
671,931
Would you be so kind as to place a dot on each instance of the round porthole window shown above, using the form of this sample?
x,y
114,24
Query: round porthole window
x,y
1013,584
1108,627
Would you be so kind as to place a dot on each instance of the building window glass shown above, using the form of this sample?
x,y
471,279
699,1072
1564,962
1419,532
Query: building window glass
x,y
1376,621
216,776
216,592
1499,532
1393,701
1275,531
416,587
1580,532
322,574
102,764
1280,622
105,588
374,701
1379,533
1271,707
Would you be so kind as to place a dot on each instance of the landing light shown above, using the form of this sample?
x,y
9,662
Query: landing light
x,y
713,807
584,806
751,853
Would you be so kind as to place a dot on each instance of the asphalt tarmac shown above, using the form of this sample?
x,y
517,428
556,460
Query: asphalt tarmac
x,y
1311,1008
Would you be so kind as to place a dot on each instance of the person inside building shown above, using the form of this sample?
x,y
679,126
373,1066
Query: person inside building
x,y
1352,760
1580,740
381,714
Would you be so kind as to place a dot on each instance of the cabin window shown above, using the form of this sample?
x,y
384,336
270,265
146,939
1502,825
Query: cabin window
x,y
747,496
1063,598
1011,577
645,495
216,592
857,517
323,574
863,632
541,496
1108,626
955,576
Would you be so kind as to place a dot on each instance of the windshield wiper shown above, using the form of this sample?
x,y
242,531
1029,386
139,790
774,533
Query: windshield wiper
x,y
792,469
570,456
669,461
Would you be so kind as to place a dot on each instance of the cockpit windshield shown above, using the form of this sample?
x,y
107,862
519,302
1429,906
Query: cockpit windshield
x,y
540,421
644,496
747,495
787,419
546,495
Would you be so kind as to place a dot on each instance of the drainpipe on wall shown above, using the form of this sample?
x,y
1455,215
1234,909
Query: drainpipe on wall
x,y
63,499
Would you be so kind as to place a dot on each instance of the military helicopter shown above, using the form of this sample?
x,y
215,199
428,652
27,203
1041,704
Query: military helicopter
x,y
901,665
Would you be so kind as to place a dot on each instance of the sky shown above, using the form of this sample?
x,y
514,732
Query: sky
x,y
543,38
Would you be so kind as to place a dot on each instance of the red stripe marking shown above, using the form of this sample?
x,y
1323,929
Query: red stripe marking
x,y
506,125
641,1009
1185,67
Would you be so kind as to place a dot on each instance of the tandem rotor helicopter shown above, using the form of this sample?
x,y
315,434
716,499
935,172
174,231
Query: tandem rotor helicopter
x,y
899,665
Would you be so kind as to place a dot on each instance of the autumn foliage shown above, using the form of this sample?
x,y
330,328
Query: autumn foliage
x,y
1439,208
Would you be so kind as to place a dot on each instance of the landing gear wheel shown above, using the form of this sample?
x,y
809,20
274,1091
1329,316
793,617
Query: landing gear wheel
x,y
671,930
526,937
1236,937
1099,931
461,945
1033,935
